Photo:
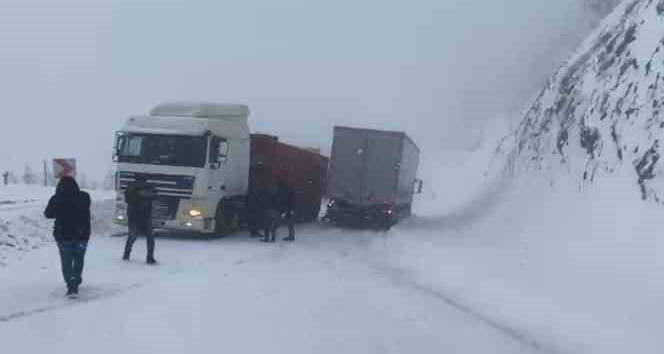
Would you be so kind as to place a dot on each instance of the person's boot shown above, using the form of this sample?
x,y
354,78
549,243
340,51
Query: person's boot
x,y
71,291
150,260
289,238
126,254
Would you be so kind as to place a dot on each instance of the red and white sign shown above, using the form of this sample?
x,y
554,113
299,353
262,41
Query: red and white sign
x,y
64,167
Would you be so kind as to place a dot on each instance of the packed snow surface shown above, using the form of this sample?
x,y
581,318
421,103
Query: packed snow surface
x,y
560,255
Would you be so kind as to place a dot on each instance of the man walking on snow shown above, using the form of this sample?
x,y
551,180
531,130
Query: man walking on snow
x,y
269,210
139,196
70,207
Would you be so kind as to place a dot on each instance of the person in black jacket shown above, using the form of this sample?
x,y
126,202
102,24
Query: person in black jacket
x,y
252,211
287,208
70,207
268,200
139,196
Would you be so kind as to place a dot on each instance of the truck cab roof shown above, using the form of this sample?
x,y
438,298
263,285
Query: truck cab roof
x,y
201,110
181,118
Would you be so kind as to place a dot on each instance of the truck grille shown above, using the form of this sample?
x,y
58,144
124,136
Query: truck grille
x,y
164,208
166,185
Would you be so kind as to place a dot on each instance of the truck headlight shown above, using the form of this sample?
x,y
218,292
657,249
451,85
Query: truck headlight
x,y
195,213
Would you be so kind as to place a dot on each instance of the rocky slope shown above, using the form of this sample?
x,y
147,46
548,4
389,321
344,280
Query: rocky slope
x,y
602,113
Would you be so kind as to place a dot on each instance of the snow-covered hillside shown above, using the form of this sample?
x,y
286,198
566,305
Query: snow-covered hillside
x,y
603,112
22,224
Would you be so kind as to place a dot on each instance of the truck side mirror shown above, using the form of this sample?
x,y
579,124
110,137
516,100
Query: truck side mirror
x,y
218,152
222,151
119,145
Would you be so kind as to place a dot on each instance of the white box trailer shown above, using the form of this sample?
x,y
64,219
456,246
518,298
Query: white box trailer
x,y
372,176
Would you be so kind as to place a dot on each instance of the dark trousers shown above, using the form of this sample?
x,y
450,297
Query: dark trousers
x,y
289,219
270,223
134,232
72,257
253,224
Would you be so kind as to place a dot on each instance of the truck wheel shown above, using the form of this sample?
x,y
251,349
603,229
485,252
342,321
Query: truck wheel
x,y
223,221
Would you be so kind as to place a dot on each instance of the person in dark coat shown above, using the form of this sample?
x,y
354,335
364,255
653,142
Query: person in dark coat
x,y
139,196
268,199
286,196
253,212
70,207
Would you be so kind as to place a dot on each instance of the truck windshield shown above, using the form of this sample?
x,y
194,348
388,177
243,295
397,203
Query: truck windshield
x,y
172,150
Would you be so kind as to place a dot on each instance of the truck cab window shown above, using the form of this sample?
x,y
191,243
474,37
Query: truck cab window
x,y
157,149
132,146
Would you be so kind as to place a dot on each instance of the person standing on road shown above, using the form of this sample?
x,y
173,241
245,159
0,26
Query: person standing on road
x,y
287,208
139,196
253,211
269,211
70,207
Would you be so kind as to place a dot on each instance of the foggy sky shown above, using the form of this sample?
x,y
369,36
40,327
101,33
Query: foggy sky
x,y
72,70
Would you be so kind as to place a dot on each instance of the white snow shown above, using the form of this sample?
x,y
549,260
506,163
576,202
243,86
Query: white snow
x,y
322,294
22,225
519,270
578,271
533,263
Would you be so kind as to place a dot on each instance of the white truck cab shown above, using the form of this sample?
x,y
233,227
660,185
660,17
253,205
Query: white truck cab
x,y
196,155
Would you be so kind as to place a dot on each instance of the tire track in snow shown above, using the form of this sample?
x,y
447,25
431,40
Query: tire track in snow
x,y
72,302
102,295
467,215
402,278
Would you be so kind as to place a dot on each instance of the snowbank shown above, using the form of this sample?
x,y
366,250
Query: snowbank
x,y
23,227
576,270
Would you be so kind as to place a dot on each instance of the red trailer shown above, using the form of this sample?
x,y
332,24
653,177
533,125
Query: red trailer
x,y
304,170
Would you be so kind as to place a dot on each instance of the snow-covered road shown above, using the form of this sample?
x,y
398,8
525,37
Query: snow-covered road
x,y
486,276
325,293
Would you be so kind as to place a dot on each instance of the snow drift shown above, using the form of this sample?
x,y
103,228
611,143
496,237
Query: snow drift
x,y
23,227
562,242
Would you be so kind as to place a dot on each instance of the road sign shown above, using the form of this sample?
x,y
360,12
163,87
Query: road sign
x,y
64,167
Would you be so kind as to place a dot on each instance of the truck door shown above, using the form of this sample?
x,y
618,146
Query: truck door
x,y
347,167
383,156
218,157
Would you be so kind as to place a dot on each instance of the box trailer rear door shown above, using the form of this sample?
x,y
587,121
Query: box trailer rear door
x,y
382,171
347,172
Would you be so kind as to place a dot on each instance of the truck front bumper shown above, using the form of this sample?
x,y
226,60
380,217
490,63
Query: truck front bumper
x,y
183,224
205,226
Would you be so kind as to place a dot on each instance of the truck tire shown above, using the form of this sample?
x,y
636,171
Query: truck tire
x,y
226,220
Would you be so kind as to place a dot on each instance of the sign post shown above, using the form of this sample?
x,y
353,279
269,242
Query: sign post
x,y
64,167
